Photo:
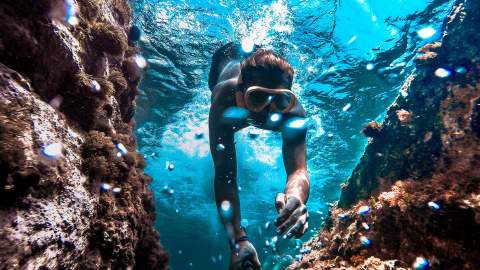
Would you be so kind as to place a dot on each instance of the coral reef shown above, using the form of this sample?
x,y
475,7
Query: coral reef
x,y
73,194
413,200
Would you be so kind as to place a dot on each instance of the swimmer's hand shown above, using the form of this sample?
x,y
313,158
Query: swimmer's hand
x,y
292,219
244,257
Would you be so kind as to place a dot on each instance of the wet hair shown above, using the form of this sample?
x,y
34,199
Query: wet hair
x,y
267,69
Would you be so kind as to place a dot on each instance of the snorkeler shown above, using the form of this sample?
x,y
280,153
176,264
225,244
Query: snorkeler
x,y
256,90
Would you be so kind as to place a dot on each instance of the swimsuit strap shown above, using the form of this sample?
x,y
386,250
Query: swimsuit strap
x,y
238,240
242,238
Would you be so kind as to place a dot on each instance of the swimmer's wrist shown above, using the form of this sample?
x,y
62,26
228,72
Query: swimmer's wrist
x,y
240,237
239,232
297,194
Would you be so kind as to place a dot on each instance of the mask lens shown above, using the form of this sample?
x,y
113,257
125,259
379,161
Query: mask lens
x,y
259,98
283,100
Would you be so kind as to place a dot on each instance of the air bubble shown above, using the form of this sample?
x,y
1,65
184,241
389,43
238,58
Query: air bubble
x,y
347,107
365,241
442,73
461,70
169,165
275,117
365,226
53,150
426,32
95,86
267,225
363,210
421,263
248,44
141,61
226,205
434,206
220,147
297,124
104,187
120,147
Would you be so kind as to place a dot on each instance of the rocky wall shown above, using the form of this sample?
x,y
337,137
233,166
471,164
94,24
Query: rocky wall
x,y
413,201
73,194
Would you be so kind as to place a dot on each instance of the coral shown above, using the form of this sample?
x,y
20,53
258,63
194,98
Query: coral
x,y
429,51
372,129
404,116
89,9
123,11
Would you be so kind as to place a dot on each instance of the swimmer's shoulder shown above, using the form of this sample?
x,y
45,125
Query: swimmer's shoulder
x,y
224,92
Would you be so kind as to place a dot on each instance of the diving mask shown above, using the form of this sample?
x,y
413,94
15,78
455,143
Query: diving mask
x,y
258,98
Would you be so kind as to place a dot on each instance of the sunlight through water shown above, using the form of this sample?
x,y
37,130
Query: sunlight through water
x,y
350,60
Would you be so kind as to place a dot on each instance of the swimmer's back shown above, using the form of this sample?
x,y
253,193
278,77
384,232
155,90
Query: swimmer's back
x,y
225,64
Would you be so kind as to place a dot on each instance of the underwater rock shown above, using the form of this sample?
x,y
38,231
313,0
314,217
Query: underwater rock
x,y
372,129
421,176
65,110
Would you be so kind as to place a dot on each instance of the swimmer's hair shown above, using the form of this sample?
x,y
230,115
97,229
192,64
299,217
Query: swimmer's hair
x,y
265,68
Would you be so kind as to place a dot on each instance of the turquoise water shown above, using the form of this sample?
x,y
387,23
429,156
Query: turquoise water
x,y
350,59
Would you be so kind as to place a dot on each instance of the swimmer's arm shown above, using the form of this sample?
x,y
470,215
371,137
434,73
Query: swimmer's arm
x,y
294,159
225,183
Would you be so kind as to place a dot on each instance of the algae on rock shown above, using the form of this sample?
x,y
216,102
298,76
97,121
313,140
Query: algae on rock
x,y
420,173
64,84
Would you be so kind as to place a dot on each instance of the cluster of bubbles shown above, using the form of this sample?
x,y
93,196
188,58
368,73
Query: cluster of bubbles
x,y
169,165
363,211
216,258
420,262
168,190
303,252
122,150
105,187
446,72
